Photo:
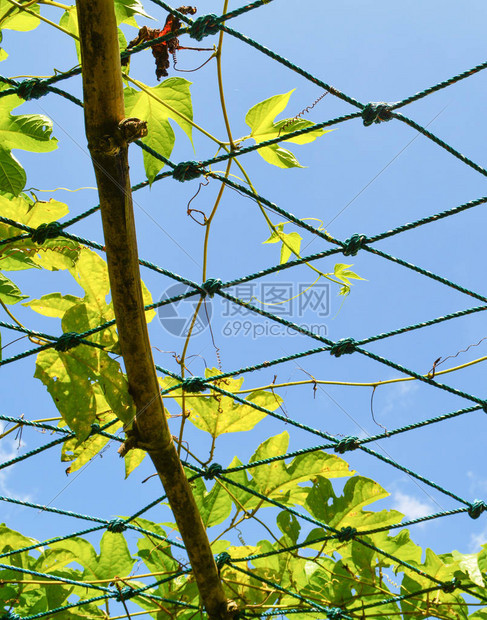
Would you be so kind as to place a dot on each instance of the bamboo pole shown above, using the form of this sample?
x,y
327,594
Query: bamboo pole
x,y
108,136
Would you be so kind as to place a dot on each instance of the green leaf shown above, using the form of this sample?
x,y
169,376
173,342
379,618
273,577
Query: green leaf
x,y
289,525
87,610
114,559
81,452
291,242
53,304
260,118
155,553
74,377
12,18
342,273
81,551
269,567
69,21
69,385
400,546
218,414
126,10
469,563
452,605
240,497
482,558
31,212
276,234
215,506
142,104
30,132
280,481
91,273
133,459
147,299
53,254
346,510
10,292
12,175
10,539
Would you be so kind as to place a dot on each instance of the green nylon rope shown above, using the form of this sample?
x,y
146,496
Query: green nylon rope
x,y
187,170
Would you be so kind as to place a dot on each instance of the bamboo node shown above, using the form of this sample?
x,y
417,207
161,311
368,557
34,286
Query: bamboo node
x,y
132,129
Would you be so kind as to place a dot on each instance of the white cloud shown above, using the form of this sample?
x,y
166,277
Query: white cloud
x,y
478,485
395,398
411,507
477,540
9,449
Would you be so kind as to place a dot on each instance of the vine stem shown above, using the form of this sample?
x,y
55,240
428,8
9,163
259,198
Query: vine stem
x,y
273,228
208,222
104,111
65,7
34,339
373,384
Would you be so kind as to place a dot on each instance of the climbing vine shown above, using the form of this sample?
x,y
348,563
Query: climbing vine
x,y
328,550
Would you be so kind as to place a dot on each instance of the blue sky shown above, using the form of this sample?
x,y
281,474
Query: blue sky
x,y
356,180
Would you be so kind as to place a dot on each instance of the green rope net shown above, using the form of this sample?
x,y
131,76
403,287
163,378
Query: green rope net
x,y
287,599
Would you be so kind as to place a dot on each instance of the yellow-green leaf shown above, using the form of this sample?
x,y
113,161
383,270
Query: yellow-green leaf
x,y
133,459
13,18
147,106
260,118
29,132
53,304
217,414
10,292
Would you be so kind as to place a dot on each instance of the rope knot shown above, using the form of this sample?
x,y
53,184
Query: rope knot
x,y
335,613
343,346
376,112
46,231
10,615
194,384
204,26
450,586
67,341
476,509
353,245
484,406
211,286
117,526
95,428
212,471
346,445
346,534
222,559
125,594
32,89
186,171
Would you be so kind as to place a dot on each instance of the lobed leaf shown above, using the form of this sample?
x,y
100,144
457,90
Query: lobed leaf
x,y
147,106
260,119
30,132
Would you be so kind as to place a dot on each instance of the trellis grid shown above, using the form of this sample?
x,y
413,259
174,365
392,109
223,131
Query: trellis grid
x,y
370,113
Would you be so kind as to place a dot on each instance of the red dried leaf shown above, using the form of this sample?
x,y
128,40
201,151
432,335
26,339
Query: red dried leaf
x,y
161,51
